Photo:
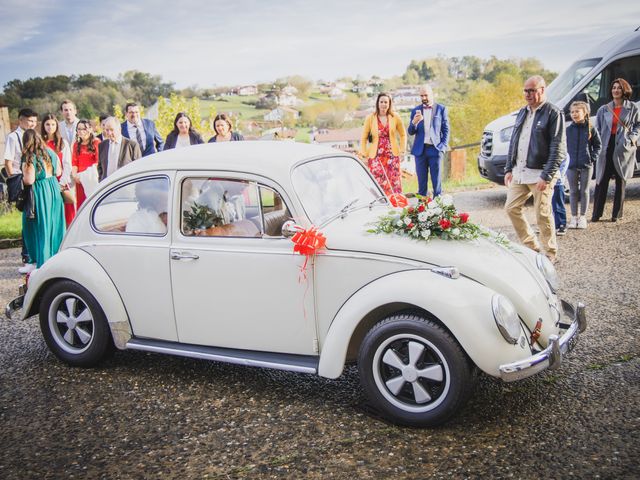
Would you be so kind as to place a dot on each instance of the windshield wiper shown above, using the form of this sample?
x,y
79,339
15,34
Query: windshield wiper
x,y
351,203
376,200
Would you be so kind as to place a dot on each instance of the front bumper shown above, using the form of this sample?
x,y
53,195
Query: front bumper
x,y
550,357
492,168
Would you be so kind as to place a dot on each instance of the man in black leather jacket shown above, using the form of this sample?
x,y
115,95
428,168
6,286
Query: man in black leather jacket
x,y
537,147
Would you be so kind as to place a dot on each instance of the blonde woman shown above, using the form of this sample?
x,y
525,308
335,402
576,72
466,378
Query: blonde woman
x,y
383,145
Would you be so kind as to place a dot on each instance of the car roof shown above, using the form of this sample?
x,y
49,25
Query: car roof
x,y
268,158
619,43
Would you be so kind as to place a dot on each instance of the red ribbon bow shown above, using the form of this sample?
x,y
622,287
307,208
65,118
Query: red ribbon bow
x,y
398,200
308,242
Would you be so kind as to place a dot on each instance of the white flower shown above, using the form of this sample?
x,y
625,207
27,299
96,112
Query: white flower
x,y
399,223
455,231
423,216
426,233
437,211
407,220
446,200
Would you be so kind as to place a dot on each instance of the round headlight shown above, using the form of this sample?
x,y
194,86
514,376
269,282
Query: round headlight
x,y
506,318
548,272
505,134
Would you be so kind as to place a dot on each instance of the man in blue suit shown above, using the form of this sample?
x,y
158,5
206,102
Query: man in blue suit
x,y
142,131
430,125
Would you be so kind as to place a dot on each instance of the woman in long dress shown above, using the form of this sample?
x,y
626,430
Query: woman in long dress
x,y
40,165
50,131
383,145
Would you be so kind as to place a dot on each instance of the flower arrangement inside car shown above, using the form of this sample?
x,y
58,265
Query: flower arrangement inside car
x,y
431,218
201,219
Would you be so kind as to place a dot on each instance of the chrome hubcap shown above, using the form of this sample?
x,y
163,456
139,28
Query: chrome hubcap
x,y
71,323
411,373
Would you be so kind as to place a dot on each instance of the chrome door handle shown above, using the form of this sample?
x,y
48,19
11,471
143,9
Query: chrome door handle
x,y
184,256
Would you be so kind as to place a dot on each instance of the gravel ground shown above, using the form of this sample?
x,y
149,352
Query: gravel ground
x,y
150,416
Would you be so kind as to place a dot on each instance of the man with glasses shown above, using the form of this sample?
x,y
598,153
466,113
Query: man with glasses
x,y
537,147
142,131
430,125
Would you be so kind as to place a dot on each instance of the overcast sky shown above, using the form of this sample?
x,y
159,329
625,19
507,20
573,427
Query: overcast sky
x,y
206,43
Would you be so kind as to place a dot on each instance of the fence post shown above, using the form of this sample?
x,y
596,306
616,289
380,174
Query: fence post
x,y
458,164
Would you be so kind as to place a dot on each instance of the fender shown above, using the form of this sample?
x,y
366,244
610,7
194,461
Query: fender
x,y
77,265
462,305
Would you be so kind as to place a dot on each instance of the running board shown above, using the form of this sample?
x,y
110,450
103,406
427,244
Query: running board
x,y
249,358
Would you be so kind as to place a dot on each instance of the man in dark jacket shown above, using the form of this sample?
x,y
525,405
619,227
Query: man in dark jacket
x,y
115,151
537,148
143,131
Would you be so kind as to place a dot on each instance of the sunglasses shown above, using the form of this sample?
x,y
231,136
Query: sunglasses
x,y
528,91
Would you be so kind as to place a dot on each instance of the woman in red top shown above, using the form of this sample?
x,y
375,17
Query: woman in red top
x,y
50,131
619,127
84,156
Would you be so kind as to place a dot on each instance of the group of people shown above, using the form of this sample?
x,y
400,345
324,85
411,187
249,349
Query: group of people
x,y
67,156
541,150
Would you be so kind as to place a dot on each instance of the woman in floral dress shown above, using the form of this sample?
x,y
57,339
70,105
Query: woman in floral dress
x,y
383,145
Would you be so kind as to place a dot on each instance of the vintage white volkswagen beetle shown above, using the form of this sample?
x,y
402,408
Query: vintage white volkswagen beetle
x,y
189,252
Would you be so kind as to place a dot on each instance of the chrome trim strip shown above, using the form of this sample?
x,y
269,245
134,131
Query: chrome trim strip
x,y
13,305
220,355
550,357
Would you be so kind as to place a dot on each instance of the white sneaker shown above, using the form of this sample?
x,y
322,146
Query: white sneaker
x,y
573,223
582,222
27,268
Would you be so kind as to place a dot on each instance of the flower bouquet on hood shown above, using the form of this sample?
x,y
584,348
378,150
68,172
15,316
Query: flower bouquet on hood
x,y
429,218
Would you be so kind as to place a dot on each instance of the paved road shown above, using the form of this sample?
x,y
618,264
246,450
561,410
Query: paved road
x,y
150,416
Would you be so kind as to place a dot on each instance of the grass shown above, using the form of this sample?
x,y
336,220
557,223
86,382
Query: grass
x,y
232,104
11,224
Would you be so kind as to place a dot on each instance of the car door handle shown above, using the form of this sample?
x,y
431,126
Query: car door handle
x,y
184,256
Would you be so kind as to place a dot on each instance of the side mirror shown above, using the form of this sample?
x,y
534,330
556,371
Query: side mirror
x,y
289,229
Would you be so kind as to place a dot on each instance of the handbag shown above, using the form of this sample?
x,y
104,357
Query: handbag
x,y
14,186
26,202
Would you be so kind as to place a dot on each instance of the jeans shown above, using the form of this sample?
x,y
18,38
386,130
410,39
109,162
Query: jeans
x,y
557,203
579,189
430,160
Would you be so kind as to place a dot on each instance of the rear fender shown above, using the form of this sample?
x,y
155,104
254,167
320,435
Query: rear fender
x,y
77,265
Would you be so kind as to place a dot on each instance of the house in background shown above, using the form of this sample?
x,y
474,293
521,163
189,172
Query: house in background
x,y
280,114
346,139
247,90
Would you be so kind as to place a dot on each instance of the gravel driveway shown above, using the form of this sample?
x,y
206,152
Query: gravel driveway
x,y
143,415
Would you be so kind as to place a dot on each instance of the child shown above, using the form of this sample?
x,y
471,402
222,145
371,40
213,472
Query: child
x,y
557,201
583,147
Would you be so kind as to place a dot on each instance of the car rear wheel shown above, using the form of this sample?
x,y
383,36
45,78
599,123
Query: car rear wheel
x,y
414,371
74,325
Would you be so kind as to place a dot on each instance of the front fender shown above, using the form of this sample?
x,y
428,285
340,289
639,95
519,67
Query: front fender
x,y
462,305
77,265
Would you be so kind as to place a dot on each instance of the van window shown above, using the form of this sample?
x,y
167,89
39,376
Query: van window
x,y
562,85
598,90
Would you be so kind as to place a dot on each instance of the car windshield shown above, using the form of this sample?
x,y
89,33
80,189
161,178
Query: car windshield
x,y
328,186
562,85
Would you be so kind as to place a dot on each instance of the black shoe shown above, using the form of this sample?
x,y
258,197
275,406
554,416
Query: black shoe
x,y
561,230
614,219
595,219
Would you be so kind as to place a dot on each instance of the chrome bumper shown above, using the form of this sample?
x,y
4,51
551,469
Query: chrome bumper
x,y
550,357
16,303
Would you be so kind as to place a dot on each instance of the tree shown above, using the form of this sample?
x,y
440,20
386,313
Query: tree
x,y
144,87
169,108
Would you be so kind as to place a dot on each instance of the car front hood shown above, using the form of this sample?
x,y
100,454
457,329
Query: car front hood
x,y
509,270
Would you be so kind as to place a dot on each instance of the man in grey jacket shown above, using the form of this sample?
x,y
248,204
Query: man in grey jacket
x,y
537,147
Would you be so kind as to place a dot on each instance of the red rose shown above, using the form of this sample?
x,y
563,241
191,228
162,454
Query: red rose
x,y
444,223
410,210
410,226
464,217
421,208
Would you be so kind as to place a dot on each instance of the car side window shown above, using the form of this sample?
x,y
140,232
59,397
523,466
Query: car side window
x,y
220,207
138,208
274,212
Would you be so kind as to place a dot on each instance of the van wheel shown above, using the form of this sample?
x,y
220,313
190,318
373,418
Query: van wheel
x,y
74,325
414,371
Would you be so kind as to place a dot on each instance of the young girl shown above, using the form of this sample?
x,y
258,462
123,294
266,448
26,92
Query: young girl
x,y
50,131
583,147
84,156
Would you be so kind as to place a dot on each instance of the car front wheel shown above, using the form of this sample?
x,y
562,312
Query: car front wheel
x,y
414,371
74,325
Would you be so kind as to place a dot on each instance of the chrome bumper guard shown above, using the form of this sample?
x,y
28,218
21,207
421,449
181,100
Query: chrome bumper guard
x,y
16,303
550,357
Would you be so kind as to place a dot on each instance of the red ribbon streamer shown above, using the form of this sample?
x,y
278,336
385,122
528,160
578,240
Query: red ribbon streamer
x,y
398,200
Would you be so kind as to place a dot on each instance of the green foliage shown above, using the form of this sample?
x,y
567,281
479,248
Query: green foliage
x,y
201,217
169,108
11,224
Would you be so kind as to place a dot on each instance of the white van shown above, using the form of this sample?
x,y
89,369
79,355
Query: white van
x,y
589,78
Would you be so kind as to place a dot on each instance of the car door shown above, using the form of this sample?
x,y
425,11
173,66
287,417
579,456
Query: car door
x,y
131,241
236,282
